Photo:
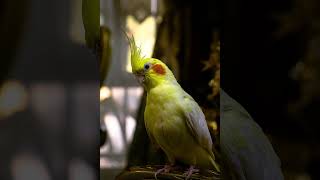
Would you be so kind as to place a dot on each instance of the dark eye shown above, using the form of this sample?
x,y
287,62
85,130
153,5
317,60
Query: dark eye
x,y
146,66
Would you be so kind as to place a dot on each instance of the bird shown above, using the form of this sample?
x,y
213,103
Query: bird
x,y
173,119
247,153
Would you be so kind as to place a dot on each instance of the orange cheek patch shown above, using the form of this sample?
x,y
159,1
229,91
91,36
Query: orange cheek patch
x,y
159,69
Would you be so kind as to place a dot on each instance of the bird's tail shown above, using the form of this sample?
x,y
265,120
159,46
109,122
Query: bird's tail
x,y
215,165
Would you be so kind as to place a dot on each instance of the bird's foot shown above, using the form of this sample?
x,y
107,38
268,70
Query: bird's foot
x,y
190,171
165,169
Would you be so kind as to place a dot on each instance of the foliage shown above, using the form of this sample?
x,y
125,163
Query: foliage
x,y
91,22
97,38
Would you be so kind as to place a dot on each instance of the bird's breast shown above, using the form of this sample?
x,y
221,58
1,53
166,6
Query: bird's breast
x,y
164,119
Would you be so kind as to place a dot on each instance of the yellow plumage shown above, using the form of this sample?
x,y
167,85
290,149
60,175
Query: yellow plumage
x,y
173,119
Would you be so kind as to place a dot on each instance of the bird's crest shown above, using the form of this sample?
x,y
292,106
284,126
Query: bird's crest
x,y
136,55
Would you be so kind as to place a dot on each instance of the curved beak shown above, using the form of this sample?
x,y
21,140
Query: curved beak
x,y
140,78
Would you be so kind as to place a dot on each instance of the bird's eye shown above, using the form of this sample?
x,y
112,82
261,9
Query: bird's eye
x,y
146,66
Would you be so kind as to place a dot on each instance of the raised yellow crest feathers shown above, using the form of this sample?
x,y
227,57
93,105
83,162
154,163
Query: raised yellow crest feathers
x,y
135,51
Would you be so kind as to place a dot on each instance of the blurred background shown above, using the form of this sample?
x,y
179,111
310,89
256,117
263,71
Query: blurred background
x,y
49,92
49,127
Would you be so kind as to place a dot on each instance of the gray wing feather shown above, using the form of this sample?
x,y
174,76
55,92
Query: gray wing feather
x,y
196,123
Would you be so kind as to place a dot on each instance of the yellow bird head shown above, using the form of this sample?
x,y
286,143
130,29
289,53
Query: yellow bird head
x,y
150,72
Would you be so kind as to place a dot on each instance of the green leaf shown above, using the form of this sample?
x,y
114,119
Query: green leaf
x,y
105,54
91,22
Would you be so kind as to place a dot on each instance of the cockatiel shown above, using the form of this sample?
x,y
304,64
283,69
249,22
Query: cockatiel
x,y
246,151
173,119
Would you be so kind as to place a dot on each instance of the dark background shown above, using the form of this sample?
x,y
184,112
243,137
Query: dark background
x,y
256,64
262,41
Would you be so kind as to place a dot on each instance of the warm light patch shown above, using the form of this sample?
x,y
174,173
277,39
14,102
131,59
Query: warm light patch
x,y
213,125
105,93
144,34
